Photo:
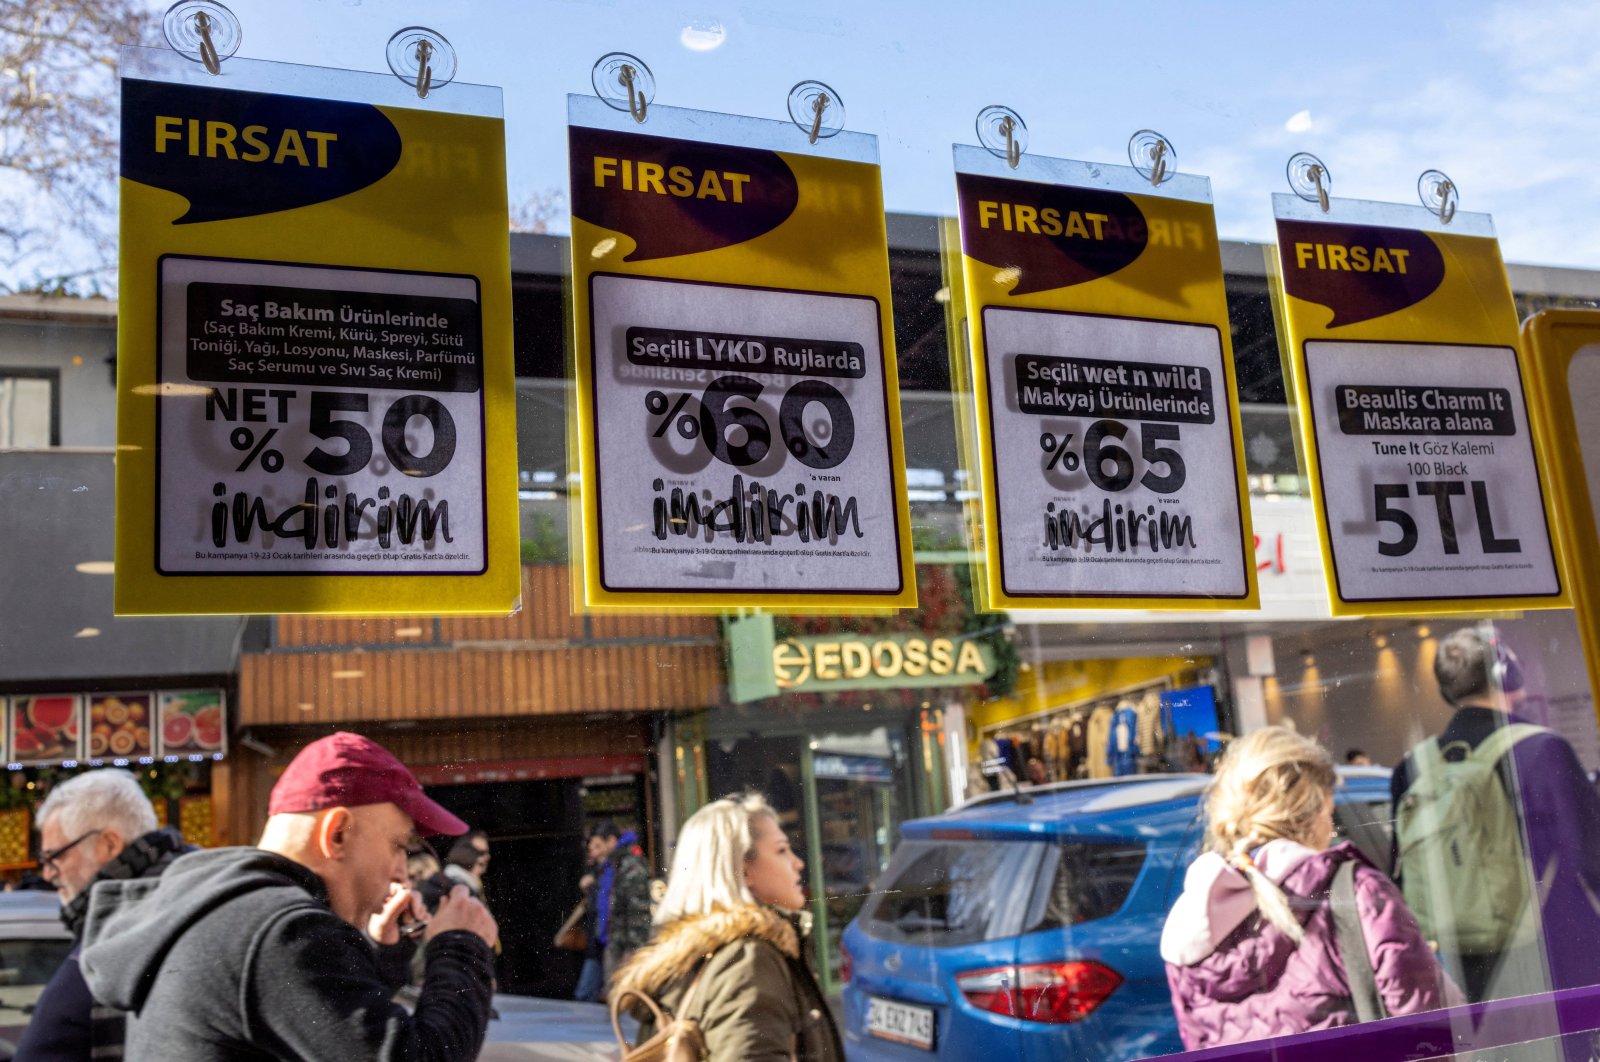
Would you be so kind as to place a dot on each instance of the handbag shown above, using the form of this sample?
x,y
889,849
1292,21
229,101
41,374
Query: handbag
x,y
572,936
676,1039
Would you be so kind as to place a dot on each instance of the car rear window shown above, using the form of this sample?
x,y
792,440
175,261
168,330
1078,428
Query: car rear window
x,y
1089,881
942,894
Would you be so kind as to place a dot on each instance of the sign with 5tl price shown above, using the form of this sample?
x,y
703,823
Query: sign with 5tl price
x,y
1106,428
738,429
314,348
1426,479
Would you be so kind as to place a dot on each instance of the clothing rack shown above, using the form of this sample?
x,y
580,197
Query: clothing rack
x,y
1021,721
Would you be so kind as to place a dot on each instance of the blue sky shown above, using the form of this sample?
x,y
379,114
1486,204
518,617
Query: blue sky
x,y
1498,95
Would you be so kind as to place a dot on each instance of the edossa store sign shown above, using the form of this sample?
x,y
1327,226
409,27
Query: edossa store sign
x,y
830,663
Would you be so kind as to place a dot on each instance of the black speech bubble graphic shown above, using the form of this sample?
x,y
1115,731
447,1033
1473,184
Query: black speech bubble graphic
x,y
1101,232
236,154
1338,266
656,191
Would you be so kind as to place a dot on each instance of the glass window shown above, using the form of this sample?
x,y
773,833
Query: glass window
x,y
28,409
1028,830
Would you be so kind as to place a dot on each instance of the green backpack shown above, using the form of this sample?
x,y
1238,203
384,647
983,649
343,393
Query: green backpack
x,y
1462,867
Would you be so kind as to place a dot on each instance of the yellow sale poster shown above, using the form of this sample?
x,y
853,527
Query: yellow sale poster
x,y
315,394
1402,335
738,408
1107,434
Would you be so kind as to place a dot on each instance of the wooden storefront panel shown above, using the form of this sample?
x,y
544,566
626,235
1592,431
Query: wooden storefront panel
x,y
546,617
286,689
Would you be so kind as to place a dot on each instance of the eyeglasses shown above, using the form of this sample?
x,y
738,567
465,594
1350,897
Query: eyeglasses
x,y
47,860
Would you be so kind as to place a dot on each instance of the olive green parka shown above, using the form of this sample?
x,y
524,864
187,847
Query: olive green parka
x,y
758,1002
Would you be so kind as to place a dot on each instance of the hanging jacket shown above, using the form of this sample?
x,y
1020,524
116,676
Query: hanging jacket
x,y
1122,743
1099,735
1236,977
1152,730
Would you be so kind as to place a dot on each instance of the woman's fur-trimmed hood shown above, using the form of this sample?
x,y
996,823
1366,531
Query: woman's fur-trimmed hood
x,y
678,946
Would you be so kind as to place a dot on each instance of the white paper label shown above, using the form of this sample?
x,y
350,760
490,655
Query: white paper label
x,y
316,421
1114,464
1428,474
743,440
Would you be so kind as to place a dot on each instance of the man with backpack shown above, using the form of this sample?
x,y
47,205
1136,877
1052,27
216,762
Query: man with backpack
x,y
1497,834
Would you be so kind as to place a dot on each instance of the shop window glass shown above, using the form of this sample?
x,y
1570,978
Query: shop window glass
x,y
546,725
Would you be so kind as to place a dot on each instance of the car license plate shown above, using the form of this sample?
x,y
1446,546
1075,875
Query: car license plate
x,y
900,1022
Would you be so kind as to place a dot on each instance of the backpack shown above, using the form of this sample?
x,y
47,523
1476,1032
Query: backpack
x,y
1461,863
676,1039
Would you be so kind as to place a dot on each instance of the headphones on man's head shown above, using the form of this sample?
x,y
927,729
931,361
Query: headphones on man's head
x,y
1502,670
1505,674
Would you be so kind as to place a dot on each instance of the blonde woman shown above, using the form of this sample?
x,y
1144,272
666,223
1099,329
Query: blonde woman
x,y
729,917
1251,946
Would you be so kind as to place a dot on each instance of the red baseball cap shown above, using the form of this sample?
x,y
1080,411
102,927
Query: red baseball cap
x,y
346,770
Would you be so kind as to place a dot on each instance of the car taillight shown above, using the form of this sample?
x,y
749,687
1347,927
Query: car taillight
x,y
1056,992
846,964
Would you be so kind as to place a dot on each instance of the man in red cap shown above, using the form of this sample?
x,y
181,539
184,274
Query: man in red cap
x,y
273,952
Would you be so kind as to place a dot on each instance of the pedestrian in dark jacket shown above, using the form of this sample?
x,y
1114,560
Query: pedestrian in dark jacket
x,y
1557,812
1250,946
274,952
468,861
98,826
597,849
729,919
621,898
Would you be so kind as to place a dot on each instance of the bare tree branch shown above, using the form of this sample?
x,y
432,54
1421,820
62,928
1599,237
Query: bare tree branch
x,y
538,211
59,122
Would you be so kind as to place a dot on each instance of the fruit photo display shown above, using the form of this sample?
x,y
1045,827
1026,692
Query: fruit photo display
x,y
192,723
45,729
120,725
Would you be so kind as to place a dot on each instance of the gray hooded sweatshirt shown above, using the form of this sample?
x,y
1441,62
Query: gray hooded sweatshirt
x,y
234,954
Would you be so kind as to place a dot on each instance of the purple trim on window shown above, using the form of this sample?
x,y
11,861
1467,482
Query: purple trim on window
x,y
1476,1027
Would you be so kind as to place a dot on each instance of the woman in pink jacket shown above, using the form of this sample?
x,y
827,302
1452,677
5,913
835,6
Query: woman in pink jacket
x,y
1251,946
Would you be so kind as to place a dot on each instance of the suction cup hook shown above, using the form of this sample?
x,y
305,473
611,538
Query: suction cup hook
x,y
624,82
1310,180
422,57
816,109
1002,131
1439,194
202,30
1153,156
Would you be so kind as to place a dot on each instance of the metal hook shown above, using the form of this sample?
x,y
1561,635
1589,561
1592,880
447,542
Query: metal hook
x,y
637,105
818,106
1314,171
208,50
1158,162
1008,128
1447,200
424,68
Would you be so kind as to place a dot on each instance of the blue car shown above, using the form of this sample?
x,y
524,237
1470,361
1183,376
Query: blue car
x,y
1026,926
